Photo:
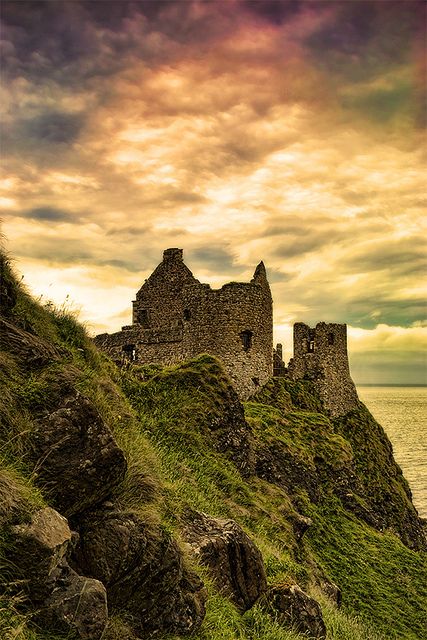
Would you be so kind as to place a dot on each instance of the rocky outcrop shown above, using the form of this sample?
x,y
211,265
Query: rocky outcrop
x,y
234,561
66,601
294,609
30,349
75,456
143,570
231,433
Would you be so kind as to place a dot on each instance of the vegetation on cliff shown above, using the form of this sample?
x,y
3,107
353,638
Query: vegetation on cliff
x,y
322,499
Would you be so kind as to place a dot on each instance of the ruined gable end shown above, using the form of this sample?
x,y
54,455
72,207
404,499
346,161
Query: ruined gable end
x,y
175,317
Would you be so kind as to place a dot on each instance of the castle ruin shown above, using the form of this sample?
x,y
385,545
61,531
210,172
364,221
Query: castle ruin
x,y
175,317
320,354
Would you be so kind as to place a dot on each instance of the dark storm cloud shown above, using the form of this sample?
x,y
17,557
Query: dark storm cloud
x,y
54,127
48,214
273,11
405,257
214,259
367,37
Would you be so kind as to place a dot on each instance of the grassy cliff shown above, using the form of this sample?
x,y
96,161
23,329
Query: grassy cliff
x,y
322,499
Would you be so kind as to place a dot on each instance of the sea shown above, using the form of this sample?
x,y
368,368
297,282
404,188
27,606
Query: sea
x,y
402,412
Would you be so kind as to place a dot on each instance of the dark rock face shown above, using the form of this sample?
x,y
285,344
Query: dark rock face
x,y
235,562
278,466
76,456
65,600
295,609
142,568
332,591
31,350
231,433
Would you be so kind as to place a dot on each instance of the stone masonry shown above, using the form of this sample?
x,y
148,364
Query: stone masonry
x,y
175,317
321,355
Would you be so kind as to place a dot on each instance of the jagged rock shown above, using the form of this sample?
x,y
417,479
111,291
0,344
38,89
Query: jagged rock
x,y
65,600
78,605
40,548
235,562
300,525
231,434
75,455
278,466
293,608
143,570
32,351
332,591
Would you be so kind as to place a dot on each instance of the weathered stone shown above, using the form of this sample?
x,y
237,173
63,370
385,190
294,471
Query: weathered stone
x,y
332,591
40,548
321,354
293,608
143,570
78,605
75,455
175,318
234,561
65,600
300,525
231,434
32,351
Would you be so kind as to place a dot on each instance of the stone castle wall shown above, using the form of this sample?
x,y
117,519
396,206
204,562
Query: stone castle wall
x,y
175,317
320,354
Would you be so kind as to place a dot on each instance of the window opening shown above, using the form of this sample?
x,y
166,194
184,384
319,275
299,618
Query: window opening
x,y
142,317
331,338
187,314
129,352
246,337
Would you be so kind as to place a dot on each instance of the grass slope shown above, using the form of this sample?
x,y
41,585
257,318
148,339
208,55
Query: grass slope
x,y
164,420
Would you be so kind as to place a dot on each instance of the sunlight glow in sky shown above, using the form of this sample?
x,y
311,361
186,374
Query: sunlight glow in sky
x,y
285,131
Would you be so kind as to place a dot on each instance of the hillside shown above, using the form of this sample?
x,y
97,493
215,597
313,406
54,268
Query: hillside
x,y
149,501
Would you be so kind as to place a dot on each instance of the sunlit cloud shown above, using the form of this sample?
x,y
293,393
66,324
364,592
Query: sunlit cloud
x,y
240,131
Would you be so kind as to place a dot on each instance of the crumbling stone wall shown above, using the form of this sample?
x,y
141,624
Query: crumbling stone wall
x,y
320,354
175,317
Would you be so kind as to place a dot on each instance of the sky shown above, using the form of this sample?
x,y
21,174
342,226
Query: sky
x,y
290,132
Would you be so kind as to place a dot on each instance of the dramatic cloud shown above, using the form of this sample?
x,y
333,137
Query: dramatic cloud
x,y
287,131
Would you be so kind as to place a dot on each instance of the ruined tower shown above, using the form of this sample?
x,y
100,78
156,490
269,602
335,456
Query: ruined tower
x,y
175,317
320,354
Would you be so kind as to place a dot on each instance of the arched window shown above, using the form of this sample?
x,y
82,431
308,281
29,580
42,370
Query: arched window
x,y
187,314
331,338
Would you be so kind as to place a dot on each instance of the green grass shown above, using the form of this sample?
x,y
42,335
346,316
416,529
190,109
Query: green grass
x,y
166,421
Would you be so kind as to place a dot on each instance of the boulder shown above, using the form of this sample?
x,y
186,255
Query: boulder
x,y
294,609
39,550
65,600
300,525
332,591
79,605
142,568
34,352
234,561
75,455
231,434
